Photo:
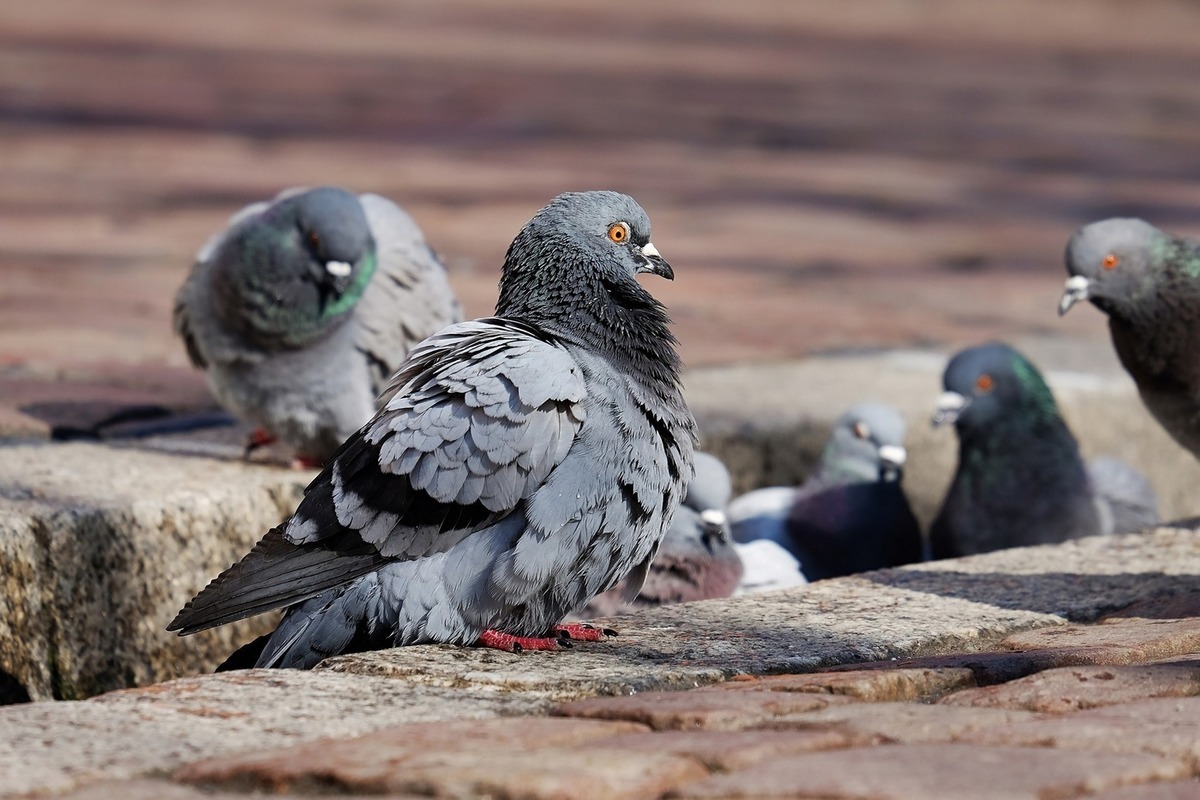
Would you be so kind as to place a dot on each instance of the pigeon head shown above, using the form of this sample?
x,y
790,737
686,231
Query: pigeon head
x,y
866,445
707,497
579,256
988,385
711,487
289,273
1114,264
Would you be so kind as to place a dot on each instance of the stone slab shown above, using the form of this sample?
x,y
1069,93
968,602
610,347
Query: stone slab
x,y
59,746
531,758
906,723
1073,688
106,545
694,711
1167,726
945,771
872,685
944,607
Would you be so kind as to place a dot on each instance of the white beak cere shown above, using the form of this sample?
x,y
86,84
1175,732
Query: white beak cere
x,y
949,406
338,269
713,516
650,251
893,455
1076,289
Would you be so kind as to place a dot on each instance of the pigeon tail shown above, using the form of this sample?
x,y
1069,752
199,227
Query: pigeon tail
x,y
275,573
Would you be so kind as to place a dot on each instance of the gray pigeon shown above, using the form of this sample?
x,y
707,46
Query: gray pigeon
x,y
1148,283
303,307
851,515
1020,477
521,465
696,561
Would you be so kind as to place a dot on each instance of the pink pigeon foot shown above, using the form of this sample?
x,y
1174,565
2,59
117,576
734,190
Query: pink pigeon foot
x,y
564,634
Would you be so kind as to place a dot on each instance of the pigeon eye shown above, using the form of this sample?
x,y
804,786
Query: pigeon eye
x,y
314,240
1110,261
862,430
984,383
618,232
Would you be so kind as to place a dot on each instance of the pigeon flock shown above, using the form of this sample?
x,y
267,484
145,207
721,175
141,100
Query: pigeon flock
x,y
500,481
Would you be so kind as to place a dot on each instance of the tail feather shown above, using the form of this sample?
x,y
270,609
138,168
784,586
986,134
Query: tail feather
x,y
275,573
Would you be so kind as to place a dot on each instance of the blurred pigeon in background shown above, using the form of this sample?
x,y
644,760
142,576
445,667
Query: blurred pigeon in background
x,y
697,560
1148,283
303,307
851,515
521,465
1020,477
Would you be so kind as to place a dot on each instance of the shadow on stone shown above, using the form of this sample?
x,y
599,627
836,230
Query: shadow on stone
x,y
1077,597
11,690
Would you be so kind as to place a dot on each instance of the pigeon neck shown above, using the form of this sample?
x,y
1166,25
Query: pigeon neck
x,y
617,320
1042,447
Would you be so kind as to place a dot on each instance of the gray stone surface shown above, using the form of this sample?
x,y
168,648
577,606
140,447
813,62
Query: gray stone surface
x,y
103,545
58,746
950,606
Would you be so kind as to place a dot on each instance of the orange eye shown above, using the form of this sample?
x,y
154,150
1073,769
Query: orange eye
x,y
862,430
618,232
1110,261
314,239
983,383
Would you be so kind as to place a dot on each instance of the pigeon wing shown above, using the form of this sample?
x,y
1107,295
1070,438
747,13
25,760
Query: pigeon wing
x,y
472,425
409,298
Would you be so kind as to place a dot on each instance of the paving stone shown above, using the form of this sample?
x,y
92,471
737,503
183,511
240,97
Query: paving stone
x,y
699,710
986,668
873,723
1182,606
1072,688
504,758
935,771
873,685
54,747
1117,641
1162,726
952,606
151,789
723,750
1175,790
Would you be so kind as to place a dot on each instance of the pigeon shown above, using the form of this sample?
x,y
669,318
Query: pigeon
x,y
766,566
697,560
1020,478
1148,283
851,515
303,307
520,465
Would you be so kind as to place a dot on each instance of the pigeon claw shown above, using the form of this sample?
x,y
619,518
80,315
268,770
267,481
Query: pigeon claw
x,y
258,438
582,632
560,638
498,640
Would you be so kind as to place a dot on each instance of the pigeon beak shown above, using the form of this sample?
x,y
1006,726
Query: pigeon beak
x,y
339,274
714,526
1075,290
654,263
949,406
891,461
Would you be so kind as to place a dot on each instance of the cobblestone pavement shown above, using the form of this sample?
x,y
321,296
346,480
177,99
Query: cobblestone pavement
x,y
1107,710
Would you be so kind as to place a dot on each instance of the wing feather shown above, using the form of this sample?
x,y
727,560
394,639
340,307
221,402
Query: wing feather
x,y
428,470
